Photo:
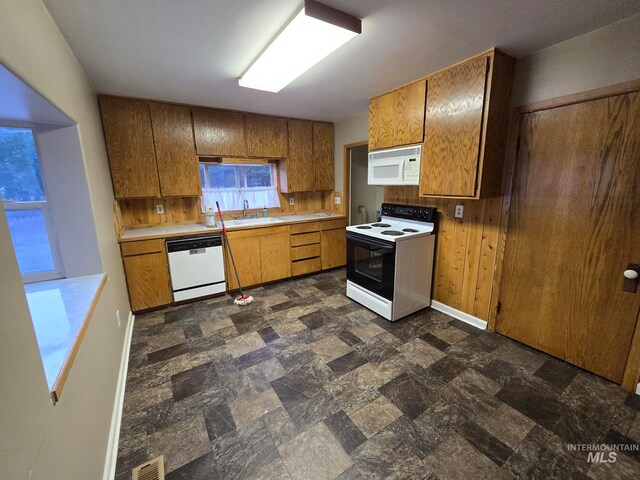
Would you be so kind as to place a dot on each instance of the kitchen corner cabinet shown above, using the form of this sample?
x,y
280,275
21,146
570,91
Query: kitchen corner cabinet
x,y
219,132
466,124
396,118
129,140
261,256
147,273
323,155
333,242
266,136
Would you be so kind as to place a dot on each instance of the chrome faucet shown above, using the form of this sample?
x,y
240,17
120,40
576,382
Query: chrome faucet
x,y
244,210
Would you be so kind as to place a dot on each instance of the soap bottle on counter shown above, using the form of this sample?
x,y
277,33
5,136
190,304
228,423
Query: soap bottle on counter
x,y
210,217
265,212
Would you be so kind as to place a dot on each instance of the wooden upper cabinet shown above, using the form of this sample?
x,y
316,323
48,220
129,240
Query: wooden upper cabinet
x,y
465,128
397,118
297,171
323,155
175,150
266,136
129,141
219,132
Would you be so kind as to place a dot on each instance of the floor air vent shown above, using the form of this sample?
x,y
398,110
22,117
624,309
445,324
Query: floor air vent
x,y
153,470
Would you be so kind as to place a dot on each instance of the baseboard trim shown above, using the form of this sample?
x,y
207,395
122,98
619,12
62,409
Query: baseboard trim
x,y
116,416
462,316
638,389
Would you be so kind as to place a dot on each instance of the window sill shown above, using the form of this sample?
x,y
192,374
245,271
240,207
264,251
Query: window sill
x,y
61,311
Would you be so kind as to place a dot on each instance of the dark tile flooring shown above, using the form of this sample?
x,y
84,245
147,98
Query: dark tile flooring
x,y
306,384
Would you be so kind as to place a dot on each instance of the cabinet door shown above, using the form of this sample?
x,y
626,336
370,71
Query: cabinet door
x,y
299,167
334,248
246,250
127,133
175,150
275,254
381,118
409,113
148,280
453,126
323,155
219,133
266,136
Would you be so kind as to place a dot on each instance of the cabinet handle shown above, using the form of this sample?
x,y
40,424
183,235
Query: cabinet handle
x,y
630,283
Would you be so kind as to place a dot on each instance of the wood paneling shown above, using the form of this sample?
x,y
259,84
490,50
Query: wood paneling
x,y
409,113
148,281
142,246
453,125
175,150
304,267
573,228
305,239
275,254
129,141
323,156
142,212
246,250
266,136
219,132
334,248
465,249
298,169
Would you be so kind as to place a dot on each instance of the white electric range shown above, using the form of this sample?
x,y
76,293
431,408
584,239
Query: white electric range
x,y
390,262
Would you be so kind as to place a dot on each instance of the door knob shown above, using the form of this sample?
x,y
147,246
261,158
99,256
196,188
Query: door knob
x,y
631,278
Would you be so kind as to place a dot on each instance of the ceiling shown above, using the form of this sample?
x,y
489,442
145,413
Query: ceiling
x,y
193,51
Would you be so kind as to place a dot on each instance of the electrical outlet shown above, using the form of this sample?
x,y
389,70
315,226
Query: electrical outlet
x,y
118,318
337,200
160,209
292,201
459,211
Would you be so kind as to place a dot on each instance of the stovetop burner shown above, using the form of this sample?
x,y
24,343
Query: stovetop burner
x,y
410,230
364,227
393,233
382,225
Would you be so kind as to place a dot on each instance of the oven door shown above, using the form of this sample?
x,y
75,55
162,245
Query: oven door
x,y
371,264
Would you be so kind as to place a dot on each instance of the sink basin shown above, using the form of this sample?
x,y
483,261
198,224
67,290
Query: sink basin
x,y
246,222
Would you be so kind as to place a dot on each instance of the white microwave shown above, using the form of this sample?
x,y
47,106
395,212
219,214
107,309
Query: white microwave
x,y
396,166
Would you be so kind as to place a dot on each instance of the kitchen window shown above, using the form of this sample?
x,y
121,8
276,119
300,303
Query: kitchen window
x,y
25,202
232,184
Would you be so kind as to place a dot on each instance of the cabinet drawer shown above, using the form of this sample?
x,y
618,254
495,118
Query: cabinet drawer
x,y
144,246
305,251
305,227
306,266
334,224
305,239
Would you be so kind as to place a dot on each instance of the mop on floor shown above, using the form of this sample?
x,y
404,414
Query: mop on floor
x,y
242,299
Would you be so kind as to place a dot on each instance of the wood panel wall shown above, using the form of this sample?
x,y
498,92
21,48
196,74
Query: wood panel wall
x,y
465,248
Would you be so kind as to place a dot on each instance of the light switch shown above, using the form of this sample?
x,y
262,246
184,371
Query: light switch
x,y
160,209
459,211
337,200
291,201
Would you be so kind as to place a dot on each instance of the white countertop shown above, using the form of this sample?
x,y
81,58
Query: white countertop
x,y
198,228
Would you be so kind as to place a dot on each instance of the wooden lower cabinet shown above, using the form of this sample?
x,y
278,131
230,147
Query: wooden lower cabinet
x,y
334,248
275,254
148,280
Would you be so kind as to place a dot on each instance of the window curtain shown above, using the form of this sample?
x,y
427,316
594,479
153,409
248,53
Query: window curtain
x,y
233,198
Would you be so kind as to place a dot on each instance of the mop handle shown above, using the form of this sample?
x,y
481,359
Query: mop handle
x,y
233,262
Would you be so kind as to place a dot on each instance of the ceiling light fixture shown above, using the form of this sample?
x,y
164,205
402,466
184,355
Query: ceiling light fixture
x,y
314,32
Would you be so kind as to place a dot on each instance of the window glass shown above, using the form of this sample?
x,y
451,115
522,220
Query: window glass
x,y
203,178
258,176
19,171
222,176
30,240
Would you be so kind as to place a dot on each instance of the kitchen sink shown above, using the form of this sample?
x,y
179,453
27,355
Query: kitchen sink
x,y
246,222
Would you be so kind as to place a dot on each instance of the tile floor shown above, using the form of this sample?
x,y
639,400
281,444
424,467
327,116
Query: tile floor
x,y
306,384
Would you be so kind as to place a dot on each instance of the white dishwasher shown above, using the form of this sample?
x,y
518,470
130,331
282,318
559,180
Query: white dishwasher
x,y
196,265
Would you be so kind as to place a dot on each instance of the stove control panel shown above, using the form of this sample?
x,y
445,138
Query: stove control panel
x,y
409,212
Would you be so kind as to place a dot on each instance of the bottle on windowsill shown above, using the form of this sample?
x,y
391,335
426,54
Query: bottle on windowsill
x,y
265,212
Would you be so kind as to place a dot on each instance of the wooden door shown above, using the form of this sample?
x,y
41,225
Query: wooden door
x,y
148,280
409,113
381,121
175,150
275,254
334,248
266,136
323,156
219,132
573,229
246,251
453,127
299,164
127,133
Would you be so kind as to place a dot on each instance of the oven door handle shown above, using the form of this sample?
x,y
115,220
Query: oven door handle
x,y
369,241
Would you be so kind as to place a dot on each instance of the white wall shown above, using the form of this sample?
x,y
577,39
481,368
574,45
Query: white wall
x,y
596,59
69,440
347,131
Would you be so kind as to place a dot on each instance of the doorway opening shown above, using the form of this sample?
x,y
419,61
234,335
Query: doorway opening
x,y
364,200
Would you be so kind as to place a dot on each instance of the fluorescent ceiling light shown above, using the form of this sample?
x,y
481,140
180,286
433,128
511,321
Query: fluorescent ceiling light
x,y
313,33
